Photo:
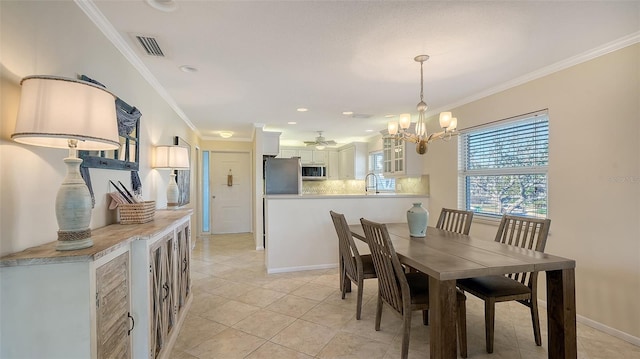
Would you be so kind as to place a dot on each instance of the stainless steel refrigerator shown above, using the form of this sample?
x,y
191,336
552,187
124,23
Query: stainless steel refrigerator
x,y
282,176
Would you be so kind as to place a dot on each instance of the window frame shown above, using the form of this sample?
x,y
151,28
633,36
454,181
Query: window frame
x,y
380,173
465,174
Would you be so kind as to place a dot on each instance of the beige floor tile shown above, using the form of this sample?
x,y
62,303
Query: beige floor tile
x,y
264,323
228,344
270,350
305,337
178,354
260,297
329,315
284,285
292,305
230,313
349,345
313,291
196,330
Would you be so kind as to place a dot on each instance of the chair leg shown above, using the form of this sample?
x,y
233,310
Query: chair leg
x,y
359,304
406,333
378,312
489,321
343,283
462,327
535,319
425,317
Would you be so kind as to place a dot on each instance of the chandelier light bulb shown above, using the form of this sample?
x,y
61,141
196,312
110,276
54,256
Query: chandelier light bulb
x,y
453,124
405,121
392,128
445,119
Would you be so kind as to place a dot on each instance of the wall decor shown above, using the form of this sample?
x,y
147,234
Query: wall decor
x,y
183,177
127,156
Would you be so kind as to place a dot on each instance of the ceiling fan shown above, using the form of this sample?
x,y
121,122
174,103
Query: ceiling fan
x,y
320,142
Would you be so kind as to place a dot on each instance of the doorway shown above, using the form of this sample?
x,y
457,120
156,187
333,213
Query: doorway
x,y
228,196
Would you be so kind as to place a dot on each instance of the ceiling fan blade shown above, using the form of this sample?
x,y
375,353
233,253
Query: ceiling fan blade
x,y
331,143
310,143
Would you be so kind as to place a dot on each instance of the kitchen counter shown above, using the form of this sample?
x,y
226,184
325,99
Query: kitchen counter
x,y
299,232
336,196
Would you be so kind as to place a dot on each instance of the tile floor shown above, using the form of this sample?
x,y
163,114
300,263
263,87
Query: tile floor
x,y
239,311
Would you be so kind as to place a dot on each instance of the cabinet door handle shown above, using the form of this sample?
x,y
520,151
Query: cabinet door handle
x,y
184,261
133,323
166,294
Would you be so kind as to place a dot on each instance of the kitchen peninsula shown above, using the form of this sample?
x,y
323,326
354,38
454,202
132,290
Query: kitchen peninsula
x,y
299,233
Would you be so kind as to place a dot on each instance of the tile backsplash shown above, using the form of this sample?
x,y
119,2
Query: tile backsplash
x,y
413,185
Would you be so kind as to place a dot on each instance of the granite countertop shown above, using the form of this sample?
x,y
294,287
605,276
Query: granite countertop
x,y
355,195
105,240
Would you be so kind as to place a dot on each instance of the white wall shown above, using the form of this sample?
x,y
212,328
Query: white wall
x,y
594,177
57,38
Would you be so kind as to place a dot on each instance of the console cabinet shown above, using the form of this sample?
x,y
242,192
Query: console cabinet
x,y
125,297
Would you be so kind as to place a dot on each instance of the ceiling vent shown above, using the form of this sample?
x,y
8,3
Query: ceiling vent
x,y
150,45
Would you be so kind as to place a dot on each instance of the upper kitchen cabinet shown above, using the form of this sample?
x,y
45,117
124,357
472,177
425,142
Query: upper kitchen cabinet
x,y
271,143
333,167
353,161
288,153
400,158
312,157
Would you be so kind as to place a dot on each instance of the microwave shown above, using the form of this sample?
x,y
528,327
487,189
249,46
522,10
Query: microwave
x,y
311,172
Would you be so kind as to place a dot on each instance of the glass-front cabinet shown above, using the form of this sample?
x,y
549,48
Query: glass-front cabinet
x,y
397,161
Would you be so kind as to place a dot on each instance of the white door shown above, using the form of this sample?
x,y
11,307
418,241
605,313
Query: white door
x,y
230,199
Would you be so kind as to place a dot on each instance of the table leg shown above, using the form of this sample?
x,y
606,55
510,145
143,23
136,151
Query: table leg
x,y
442,313
561,313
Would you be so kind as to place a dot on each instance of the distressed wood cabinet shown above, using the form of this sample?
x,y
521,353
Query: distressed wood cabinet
x,y
125,297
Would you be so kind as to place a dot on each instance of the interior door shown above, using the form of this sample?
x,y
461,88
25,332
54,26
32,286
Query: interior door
x,y
230,198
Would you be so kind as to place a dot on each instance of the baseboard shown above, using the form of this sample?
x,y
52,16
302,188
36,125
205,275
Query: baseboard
x,y
301,268
601,327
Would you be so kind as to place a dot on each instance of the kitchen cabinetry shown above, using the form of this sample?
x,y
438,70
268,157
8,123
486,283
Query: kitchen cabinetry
x,y
333,167
271,143
288,153
399,158
97,302
312,157
353,161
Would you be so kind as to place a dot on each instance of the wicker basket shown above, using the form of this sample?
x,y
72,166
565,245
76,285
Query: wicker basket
x,y
137,212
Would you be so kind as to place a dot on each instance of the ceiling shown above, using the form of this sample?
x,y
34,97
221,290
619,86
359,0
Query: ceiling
x,y
259,61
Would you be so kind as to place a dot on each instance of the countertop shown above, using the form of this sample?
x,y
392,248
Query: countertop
x,y
335,196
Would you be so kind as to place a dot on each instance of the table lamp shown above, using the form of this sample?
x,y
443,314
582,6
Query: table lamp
x,y
172,158
60,112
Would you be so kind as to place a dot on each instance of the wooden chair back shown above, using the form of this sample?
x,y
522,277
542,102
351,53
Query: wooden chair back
x,y
392,283
524,232
455,220
348,251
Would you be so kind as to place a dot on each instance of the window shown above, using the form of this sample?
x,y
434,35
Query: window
x,y
376,166
503,167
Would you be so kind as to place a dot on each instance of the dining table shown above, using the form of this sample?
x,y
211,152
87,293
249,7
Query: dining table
x,y
447,256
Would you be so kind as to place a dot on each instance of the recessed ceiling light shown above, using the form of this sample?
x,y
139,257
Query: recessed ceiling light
x,y
389,116
292,123
302,109
188,69
225,134
163,5
347,113
368,130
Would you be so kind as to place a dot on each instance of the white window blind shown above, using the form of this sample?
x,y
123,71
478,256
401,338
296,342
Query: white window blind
x,y
376,165
503,167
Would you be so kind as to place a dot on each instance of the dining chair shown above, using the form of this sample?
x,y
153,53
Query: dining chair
x,y
455,220
521,232
353,266
404,292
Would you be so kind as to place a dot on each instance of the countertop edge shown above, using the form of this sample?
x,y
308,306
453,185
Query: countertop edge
x,y
336,196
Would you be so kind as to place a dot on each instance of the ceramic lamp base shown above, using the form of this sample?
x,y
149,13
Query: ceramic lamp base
x,y
173,194
73,209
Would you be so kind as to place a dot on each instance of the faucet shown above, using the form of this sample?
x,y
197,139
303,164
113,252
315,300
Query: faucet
x,y
366,181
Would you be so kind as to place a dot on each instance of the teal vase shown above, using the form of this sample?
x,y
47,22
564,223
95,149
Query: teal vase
x,y
417,218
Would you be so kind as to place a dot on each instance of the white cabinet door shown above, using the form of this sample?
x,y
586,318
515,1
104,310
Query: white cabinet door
x,y
306,156
288,153
271,143
353,161
347,168
333,165
319,157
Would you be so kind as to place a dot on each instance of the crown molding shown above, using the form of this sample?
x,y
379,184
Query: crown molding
x,y
607,48
94,14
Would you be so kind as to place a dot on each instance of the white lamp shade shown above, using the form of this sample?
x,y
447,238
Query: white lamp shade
x,y
392,127
405,121
54,110
171,157
445,119
454,124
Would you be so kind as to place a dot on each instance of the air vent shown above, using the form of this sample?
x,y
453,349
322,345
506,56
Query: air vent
x,y
150,46
361,115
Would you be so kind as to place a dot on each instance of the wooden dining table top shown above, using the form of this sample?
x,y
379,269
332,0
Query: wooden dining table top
x,y
447,256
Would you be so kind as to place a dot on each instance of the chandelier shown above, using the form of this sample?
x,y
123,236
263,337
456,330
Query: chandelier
x,y
400,130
